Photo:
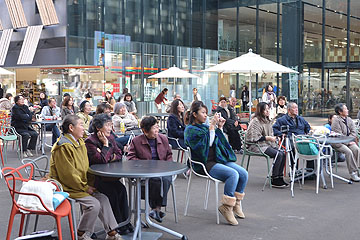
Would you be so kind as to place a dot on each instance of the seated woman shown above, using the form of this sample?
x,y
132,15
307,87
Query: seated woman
x,y
69,165
153,146
130,105
102,148
209,146
260,131
175,124
122,116
68,106
85,109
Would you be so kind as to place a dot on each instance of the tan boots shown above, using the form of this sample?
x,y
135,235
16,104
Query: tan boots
x,y
226,209
237,208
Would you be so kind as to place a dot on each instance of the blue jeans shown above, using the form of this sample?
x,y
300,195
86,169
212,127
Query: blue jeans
x,y
234,176
55,131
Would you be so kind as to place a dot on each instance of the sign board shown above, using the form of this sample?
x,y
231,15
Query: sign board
x,y
293,84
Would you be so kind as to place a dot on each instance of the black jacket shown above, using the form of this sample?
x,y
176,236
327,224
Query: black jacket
x,y
21,117
176,129
230,121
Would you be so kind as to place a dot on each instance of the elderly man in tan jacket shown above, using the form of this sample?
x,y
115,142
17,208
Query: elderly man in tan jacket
x,y
344,125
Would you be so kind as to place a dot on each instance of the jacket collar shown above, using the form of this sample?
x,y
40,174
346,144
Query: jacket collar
x,y
144,140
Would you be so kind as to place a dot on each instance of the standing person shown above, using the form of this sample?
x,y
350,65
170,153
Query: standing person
x,y
109,99
281,108
69,165
175,124
260,131
232,92
161,99
5,103
21,116
270,98
129,103
102,148
68,107
245,98
154,146
125,91
209,146
84,114
196,95
1,92
52,112
345,126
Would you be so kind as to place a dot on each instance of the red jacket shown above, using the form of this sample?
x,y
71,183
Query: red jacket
x,y
140,148
160,98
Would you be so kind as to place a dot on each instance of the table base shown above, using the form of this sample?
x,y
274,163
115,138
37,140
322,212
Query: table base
x,y
144,236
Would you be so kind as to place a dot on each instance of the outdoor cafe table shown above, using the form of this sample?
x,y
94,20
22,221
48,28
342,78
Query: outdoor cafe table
x,y
162,117
141,170
42,125
335,140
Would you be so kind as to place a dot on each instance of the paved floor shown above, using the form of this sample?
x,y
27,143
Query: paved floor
x,y
270,214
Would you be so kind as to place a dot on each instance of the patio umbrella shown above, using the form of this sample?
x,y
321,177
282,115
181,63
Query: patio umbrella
x,y
3,71
174,72
250,63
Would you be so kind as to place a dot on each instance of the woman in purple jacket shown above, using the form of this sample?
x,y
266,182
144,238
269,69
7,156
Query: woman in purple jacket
x,y
153,146
102,148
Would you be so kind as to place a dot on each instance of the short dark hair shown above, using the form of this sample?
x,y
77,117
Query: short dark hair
x,y
8,95
69,119
82,105
66,94
53,99
17,97
126,95
339,108
330,117
222,98
281,98
88,95
195,107
165,90
101,107
147,122
99,121
267,87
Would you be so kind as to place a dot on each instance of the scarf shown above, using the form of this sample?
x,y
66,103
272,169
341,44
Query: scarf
x,y
197,137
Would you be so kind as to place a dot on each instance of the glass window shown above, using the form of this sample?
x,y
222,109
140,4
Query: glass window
x,y
312,33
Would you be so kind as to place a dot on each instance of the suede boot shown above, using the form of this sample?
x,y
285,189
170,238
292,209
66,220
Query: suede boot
x,y
226,209
238,208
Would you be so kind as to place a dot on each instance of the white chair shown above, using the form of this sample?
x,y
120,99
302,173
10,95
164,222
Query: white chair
x,y
305,141
209,179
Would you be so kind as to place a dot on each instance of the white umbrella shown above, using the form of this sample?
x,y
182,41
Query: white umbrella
x,y
250,63
174,72
3,71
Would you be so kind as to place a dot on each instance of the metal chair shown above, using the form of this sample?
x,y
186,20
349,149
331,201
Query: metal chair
x,y
301,141
8,134
249,153
209,179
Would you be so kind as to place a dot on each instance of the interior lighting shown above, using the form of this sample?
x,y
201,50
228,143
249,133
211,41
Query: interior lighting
x,y
327,40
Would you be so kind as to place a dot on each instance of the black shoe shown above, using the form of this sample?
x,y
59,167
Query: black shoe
x,y
130,227
123,230
155,215
278,182
162,214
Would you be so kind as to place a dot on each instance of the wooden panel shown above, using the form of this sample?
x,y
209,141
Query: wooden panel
x,y
47,12
16,12
29,45
4,44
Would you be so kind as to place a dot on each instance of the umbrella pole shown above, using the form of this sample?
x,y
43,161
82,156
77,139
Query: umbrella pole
x,y
250,102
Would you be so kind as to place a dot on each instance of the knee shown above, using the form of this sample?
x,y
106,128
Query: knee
x,y
233,174
94,206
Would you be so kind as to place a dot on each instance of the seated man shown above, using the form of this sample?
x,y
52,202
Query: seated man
x,y
52,112
69,165
21,116
344,125
232,126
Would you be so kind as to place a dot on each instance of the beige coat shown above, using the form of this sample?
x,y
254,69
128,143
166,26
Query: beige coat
x,y
256,130
338,125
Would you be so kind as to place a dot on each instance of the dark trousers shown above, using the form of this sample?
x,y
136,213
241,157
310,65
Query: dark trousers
x,y
234,139
155,198
244,106
55,131
26,135
279,163
116,192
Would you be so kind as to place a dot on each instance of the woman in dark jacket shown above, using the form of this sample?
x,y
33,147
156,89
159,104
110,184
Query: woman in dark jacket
x,y
101,149
43,100
153,146
175,124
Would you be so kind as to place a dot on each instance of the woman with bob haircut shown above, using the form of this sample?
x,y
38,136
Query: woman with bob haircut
x,y
209,146
175,124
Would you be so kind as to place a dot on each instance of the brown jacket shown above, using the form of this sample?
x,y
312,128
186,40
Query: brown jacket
x,y
338,125
140,148
256,130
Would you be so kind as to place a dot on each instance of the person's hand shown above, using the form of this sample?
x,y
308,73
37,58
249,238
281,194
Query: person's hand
x,y
91,190
215,119
351,143
31,109
270,138
103,138
236,123
221,122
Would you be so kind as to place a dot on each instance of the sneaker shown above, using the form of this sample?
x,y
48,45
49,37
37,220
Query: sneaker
x,y
278,183
354,177
115,237
162,214
85,236
25,155
155,215
29,153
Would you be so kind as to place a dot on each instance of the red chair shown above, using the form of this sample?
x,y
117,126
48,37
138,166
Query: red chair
x,y
13,176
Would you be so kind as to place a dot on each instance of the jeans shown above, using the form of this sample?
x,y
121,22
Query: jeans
x,y
123,140
234,176
55,131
